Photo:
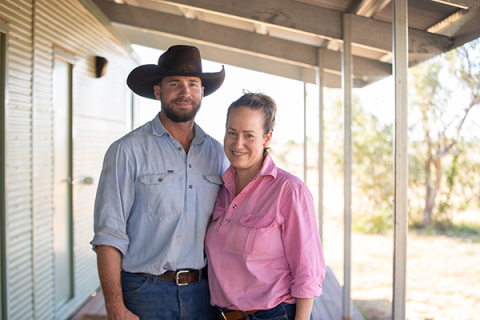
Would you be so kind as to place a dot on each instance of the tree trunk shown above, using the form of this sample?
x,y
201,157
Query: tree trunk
x,y
432,193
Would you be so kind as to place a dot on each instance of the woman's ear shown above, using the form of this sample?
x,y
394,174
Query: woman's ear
x,y
268,138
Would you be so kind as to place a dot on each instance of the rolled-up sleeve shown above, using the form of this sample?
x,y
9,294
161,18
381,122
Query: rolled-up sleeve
x,y
301,240
114,200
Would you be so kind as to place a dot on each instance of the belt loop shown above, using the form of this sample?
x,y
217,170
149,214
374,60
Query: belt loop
x,y
154,279
245,315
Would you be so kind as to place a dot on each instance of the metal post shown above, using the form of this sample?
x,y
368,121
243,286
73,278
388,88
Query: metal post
x,y
305,165
347,84
321,85
400,71
4,34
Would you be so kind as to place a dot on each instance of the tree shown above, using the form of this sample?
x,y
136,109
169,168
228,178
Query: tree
x,y
372,167
440,119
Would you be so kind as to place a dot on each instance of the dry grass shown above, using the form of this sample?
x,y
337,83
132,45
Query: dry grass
x,y
443,273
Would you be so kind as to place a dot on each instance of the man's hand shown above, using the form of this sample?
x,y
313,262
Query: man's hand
x,y
109,268
121,313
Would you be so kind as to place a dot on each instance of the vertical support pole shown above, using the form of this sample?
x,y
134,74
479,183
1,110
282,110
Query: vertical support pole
x,y
400,72
347,84
34,147
4,35
321,85
305,160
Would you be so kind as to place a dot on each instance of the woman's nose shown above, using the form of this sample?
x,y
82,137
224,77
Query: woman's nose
x,y
239,143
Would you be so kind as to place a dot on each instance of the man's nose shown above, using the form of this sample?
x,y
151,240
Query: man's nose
x,y
184,90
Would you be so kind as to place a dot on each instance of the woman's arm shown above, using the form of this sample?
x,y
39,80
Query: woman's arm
x,y
304,308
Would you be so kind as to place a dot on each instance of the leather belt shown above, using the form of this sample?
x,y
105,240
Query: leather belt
x,y
180,277
226,314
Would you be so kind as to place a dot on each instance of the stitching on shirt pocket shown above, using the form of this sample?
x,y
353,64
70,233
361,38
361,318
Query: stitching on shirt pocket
x,y
160,193
210,186
254,234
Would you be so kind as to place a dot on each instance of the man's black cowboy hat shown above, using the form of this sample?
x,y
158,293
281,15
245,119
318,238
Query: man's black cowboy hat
x,y
176,61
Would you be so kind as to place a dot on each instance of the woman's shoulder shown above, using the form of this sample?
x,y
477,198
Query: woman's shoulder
x,y
289,180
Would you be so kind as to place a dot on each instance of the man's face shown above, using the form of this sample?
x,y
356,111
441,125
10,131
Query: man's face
x,y
180,96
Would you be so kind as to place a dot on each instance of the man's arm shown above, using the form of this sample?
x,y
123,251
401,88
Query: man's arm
x,y
109,267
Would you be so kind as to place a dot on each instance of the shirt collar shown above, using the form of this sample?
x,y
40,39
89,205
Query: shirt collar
x,y
159,130
268,169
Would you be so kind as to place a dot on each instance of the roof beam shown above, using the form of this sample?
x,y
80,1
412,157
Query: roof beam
x,y
369,8
238,40
461,3
221,54
319,21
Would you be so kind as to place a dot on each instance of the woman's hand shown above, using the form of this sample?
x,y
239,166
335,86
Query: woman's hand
x,y
304,308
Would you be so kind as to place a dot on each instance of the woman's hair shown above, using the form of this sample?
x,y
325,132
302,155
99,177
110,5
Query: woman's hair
x,y
258,101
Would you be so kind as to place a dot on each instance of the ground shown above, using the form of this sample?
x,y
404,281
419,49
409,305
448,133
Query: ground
x,y
443,274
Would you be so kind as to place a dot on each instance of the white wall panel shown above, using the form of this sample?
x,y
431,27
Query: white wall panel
x,y
19,160
36,28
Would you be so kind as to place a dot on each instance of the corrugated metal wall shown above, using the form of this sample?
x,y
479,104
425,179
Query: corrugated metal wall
x,y
36,28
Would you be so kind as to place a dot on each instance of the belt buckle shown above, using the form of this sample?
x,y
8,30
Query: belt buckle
x,y
220,311
177,279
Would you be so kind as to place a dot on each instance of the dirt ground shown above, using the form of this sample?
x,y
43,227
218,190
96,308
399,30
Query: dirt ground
x,y
443,274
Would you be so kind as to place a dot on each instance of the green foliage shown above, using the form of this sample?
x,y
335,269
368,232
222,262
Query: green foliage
x,y
364,314
440,166
444,162
372,168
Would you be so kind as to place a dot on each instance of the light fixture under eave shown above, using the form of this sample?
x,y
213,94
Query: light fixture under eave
x,y
100,66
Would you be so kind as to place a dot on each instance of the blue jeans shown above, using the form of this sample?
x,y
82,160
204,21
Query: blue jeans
x,y
283,311
152,299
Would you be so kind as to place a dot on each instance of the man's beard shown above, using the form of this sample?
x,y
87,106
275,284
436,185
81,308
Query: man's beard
x,y
183,117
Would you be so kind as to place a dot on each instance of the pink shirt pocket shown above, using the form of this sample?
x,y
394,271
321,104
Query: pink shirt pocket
x,y
254,233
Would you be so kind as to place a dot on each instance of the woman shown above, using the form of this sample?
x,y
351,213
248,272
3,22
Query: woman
x,y
265,260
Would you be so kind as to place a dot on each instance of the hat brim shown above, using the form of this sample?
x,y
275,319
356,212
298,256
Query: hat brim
x,y
142,79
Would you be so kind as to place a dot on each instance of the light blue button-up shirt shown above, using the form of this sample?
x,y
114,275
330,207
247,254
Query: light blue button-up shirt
x,y
154,201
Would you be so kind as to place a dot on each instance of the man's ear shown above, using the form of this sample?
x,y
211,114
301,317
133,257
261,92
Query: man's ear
x,y
157,91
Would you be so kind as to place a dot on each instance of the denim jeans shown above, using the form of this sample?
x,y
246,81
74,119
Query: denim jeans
x,y
152,299
283,311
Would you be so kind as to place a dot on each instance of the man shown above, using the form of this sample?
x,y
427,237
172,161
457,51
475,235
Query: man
x,y
155,197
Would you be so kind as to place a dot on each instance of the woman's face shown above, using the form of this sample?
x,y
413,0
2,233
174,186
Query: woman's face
x,y
245,138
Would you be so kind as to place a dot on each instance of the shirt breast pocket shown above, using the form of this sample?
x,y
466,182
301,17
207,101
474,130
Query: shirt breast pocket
x,y
254,234
210,185
161,193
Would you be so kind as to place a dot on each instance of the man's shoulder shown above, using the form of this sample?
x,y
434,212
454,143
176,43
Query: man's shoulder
x,y
136,135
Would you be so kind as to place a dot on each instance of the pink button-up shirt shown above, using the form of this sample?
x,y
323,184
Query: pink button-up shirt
x,y
262,245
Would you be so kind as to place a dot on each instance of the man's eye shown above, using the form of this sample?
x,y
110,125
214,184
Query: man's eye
x,y
249,135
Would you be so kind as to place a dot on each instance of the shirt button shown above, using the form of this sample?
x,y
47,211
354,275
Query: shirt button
x,y
234,206
228,220
160,180
168,135
189,165
179,148
190,186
